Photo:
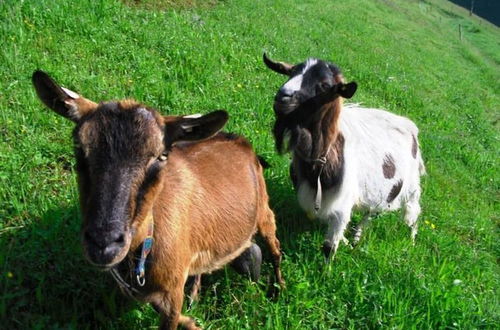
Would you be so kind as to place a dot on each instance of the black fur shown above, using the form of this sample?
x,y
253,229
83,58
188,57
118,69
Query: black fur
x,y
301,125
301,117
332,173
249,262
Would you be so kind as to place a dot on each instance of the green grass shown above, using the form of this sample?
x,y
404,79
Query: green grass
x,y
406,57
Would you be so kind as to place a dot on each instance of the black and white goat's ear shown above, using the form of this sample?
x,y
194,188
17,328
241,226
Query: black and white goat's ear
x,y
61,100
194,128
347,90
280,67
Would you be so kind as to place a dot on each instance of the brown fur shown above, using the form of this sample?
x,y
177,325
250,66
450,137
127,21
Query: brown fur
x,y
203,219
323,139
330,128
207,200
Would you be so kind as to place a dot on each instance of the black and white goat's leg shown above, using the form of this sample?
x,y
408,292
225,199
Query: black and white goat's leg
x,y
358,231
411,212
337,224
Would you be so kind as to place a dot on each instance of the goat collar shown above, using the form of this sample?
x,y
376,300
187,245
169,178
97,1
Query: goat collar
x,y
140,269
147,244
320,163
302,114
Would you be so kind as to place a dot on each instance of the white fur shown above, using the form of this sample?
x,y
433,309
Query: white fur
x,y
293,85
70,93
370,135
195,115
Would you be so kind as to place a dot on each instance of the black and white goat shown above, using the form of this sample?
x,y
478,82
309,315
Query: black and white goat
x,y
344,157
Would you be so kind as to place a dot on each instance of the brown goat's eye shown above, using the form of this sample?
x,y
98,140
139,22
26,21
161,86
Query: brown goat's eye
x,y
162,157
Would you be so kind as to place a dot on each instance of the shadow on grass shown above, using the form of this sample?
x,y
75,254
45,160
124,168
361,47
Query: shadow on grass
x,y
47,283
291,221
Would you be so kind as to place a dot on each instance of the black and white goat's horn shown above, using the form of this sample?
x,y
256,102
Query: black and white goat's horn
x,y
280,67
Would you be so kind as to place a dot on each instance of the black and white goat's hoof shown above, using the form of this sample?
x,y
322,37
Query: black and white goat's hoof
x,y
327,250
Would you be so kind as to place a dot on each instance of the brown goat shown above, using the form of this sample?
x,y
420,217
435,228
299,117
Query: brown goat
x,y
203,192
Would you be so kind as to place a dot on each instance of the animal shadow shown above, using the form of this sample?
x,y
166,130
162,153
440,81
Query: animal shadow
x,y
47,283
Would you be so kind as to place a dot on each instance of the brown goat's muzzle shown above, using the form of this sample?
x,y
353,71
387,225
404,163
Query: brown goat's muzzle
x,y
105,249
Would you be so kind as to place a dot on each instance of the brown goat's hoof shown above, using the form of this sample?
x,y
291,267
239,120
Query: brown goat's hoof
x,y
188,323
274,290
249,262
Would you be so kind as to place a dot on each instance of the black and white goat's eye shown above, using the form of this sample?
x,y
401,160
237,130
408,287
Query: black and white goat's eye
x,y
324,86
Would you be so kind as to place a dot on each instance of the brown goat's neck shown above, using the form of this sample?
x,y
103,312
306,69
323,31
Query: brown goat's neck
x,y
145,212
141,231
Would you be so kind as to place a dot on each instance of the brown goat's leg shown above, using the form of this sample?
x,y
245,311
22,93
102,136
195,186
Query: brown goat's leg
x,y
188,323
195,290
169,306
267,229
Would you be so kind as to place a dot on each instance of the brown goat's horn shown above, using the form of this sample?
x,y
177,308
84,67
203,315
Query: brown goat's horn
x,y
280,67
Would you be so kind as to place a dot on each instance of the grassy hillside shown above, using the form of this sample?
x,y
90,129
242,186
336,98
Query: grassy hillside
x,y
406,57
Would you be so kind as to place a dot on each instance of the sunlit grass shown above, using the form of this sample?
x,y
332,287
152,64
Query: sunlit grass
x,y
406,57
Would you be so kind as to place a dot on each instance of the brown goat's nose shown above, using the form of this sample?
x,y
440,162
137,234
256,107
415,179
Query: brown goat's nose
x,y
103,239
102,247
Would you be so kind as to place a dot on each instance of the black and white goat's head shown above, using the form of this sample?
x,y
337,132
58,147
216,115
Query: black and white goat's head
x,y
313,81
308,103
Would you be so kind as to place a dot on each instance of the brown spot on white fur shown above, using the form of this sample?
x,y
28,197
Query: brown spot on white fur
x,y
388,167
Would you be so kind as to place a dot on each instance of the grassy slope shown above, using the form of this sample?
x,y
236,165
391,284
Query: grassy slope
x,y
406,57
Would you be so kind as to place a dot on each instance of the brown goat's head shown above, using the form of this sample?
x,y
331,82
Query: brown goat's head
x,y
308,81
121,149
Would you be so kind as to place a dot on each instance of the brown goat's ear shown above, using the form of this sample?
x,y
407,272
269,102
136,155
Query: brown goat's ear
x,y
280,67
193,128
63,101
347,90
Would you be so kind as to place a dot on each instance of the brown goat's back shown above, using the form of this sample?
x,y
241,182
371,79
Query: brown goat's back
x,y
211,197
